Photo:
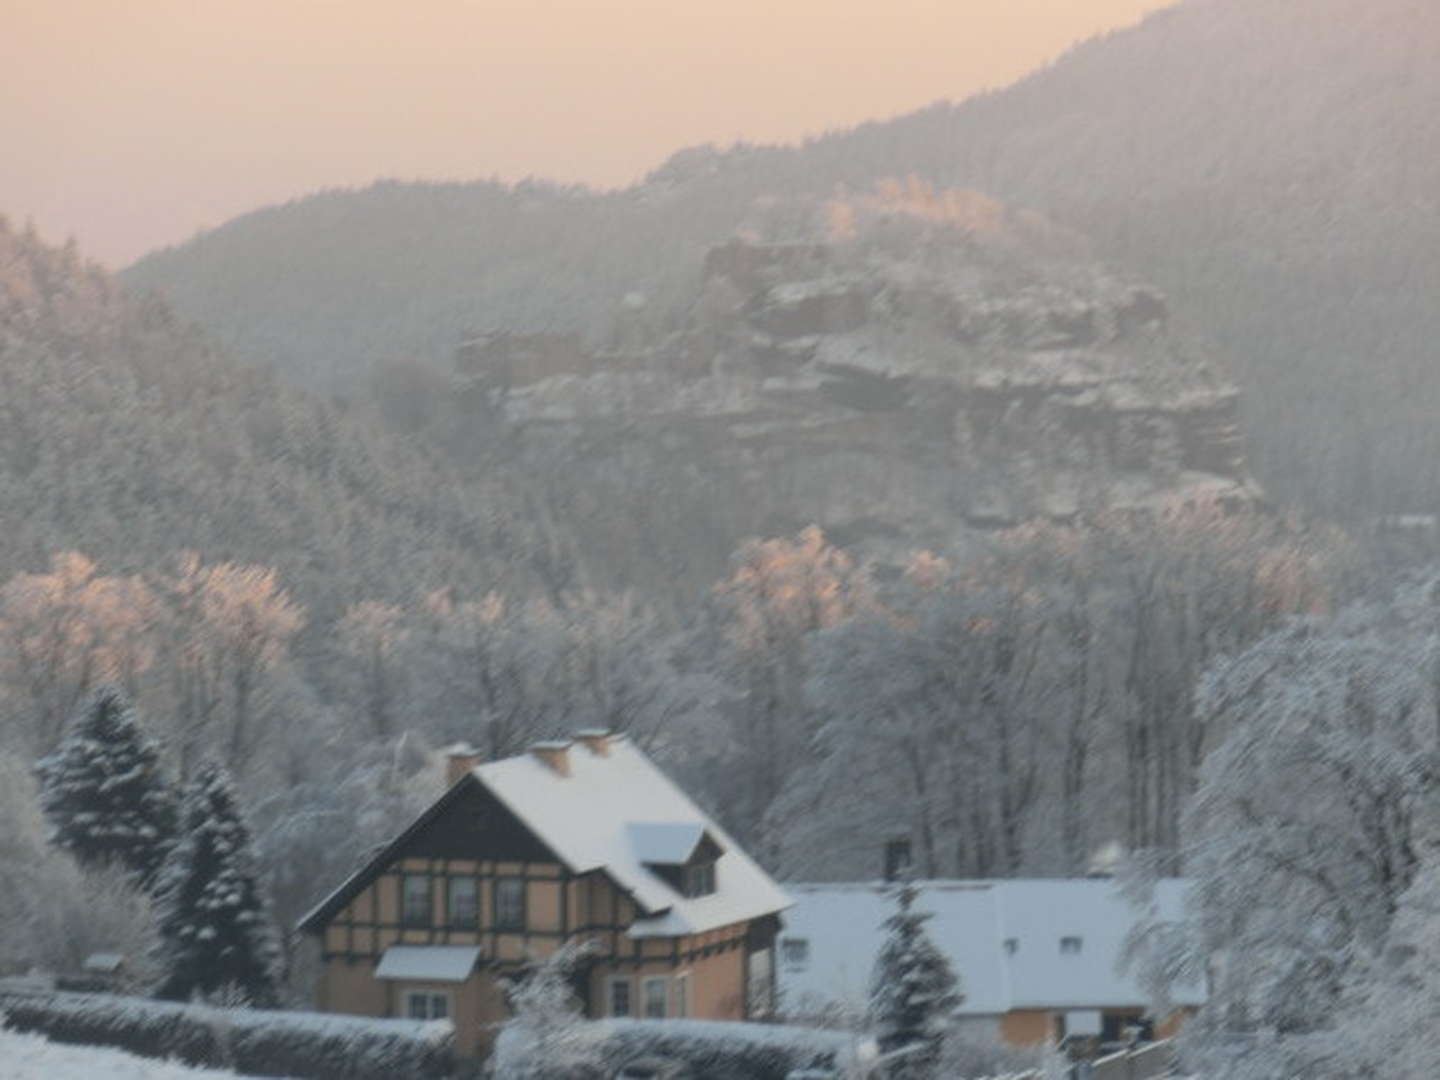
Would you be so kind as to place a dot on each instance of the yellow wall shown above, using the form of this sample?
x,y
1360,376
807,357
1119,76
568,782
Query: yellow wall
x,y
1028,1027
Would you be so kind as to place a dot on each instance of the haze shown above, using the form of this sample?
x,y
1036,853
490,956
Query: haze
x,y
132,125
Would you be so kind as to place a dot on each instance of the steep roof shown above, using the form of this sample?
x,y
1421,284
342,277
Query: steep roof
x,y
611,811
589,818
972,923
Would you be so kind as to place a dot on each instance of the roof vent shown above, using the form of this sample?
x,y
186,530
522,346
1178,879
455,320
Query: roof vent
x,y
597,740
554,754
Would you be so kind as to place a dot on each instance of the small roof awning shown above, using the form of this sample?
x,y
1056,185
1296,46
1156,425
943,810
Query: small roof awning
x,y
106,963
428,963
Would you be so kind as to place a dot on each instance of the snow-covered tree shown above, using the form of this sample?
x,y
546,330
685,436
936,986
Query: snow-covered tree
x,y
913,990
1308,832
549,1036
103,792
215,927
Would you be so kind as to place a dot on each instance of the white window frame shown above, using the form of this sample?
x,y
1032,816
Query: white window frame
x,y
682,995
429,997
662,999
795,953
472,921
610,985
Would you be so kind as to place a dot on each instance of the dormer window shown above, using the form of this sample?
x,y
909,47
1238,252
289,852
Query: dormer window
x,y
683,855
699,879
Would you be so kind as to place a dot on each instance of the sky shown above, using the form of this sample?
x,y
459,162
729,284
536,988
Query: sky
x,y
133,124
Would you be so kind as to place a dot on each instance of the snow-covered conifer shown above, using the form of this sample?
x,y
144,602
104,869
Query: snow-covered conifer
x,y
103,793
913,990
216,934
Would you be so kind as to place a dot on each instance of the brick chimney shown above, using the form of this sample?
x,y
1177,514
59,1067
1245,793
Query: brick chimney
x,y
554,754
596,740
459,760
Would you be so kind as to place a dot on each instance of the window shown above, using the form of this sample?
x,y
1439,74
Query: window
x,y
509,904
415,907
795,952
1070,946
620,995
427,1004
655,990
462,907
1012,946
682,995
699,879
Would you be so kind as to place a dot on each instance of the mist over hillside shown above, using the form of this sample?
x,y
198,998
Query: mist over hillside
x,y
1269,164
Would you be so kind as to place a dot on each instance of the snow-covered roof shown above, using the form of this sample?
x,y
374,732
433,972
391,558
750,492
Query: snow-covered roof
x,y
665,844
1007,940
428,963
588,817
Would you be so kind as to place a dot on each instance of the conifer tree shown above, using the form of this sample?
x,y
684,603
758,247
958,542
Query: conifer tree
x,y
913,990
103,792
216,935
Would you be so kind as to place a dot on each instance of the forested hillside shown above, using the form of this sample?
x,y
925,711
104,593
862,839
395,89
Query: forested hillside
x,y
1269,163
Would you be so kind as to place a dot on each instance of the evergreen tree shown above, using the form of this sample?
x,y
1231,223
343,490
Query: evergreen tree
x,y
216,934
103,793
913,990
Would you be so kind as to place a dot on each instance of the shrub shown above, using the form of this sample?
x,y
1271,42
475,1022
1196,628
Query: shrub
x,y
313,1046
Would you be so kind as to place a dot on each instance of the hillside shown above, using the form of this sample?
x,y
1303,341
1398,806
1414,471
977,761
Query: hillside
x,y
126,436
1270,164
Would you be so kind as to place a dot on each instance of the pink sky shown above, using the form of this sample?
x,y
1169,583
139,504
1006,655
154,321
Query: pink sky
x,y
133,123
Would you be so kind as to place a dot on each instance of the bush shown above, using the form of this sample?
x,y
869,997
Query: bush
x,y
314,1046
710,1050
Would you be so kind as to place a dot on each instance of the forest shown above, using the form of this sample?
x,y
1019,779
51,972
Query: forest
x,y
1023,477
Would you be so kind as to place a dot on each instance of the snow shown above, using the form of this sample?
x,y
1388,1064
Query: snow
x,y
973,921
435,963
665,844
586,819
29,1057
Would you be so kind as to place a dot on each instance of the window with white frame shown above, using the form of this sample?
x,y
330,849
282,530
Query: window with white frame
x,y
795,953
654,990
1071,946
682,994
509,903
462,902
619,996
415,907
427,1004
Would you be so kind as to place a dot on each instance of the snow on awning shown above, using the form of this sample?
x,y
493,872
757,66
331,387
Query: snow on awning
x,y
431,963
106,963
667,844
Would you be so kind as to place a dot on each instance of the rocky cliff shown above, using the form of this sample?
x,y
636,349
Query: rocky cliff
x,y
911,366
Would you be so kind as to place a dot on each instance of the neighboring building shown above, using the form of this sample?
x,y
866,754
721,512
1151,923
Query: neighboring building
x,y
1037,959
582,839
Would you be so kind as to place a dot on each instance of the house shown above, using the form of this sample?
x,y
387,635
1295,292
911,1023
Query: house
x,y
1038,959
576,839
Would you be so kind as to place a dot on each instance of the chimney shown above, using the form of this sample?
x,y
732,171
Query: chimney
x,y
554,754
459,760
596,740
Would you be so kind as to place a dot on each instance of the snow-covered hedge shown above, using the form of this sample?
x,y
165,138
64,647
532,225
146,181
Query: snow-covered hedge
x,y
314,1046
711,1050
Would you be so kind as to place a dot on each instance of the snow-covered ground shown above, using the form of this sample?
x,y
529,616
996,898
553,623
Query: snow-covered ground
x,y
29,1057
